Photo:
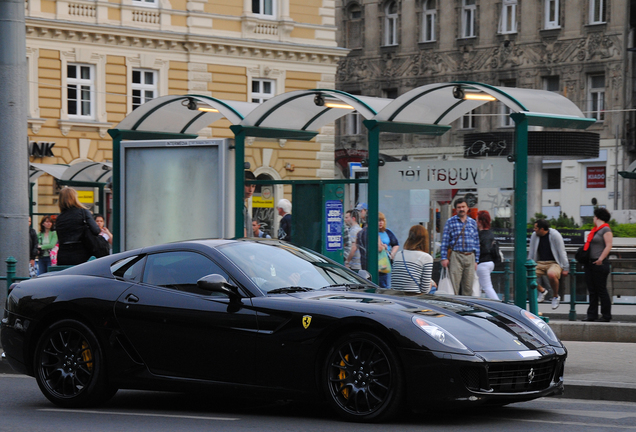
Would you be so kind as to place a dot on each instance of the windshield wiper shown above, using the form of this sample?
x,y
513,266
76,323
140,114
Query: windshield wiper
x,y
289,289
348,286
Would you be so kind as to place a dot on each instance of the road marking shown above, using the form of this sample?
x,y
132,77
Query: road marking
x,y
604,425
138,414
597,414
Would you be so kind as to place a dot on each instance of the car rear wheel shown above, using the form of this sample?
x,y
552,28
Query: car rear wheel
x,y
363,378
69,366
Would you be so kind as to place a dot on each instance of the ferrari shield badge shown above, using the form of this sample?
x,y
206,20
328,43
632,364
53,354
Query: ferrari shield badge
x,y
306,321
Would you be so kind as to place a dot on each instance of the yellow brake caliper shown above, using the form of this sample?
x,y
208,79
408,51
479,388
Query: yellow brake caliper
x,y
87,356
342,375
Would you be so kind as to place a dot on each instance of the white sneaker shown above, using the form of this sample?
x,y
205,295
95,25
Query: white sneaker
x,y
541,296
555,302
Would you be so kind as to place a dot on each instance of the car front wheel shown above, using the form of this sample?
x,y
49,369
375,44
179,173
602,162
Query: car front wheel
x,y
69,366
363,378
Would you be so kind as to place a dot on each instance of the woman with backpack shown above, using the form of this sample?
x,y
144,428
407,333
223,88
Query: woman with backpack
x,y
487,250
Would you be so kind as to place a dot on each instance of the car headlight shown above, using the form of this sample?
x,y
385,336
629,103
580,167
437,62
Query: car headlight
x,y
438,333
542,325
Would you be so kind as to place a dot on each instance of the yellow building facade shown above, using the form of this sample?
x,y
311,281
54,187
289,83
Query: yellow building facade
x,y
90,63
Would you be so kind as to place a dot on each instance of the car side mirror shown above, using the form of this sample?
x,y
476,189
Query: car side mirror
x,y
364,274
217,283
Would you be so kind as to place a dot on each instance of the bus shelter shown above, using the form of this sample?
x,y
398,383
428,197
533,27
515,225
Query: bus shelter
x,y
299,115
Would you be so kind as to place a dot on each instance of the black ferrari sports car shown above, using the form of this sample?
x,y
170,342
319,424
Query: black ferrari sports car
x,y
264,315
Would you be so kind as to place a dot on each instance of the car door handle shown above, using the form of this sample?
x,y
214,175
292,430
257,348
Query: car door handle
x,y
131,298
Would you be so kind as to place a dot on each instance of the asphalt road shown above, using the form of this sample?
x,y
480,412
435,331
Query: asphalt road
x,y
24,409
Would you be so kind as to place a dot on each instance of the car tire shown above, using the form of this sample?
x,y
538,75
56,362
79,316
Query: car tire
x,y
69,366
363,379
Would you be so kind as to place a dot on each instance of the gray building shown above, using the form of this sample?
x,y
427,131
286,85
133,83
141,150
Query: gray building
x,y
579,48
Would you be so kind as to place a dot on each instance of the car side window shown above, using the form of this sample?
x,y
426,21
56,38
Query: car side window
x,y
129,268
180,270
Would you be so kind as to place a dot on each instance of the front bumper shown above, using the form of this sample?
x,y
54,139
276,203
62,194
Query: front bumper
x,y
436,379
12,336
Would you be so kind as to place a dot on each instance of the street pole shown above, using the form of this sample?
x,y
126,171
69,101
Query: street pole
x,y
14,156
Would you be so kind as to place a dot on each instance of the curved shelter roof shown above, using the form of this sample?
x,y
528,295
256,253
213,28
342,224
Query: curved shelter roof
x,y
443,103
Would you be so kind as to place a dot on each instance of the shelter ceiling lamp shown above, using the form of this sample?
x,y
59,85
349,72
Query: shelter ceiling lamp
x,y
338,105
479,96
207,109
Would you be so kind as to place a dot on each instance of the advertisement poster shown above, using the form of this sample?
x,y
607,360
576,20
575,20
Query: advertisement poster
x,y
334,217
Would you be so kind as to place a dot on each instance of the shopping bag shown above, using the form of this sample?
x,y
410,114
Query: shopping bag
x,y
384,263
476,287
445,286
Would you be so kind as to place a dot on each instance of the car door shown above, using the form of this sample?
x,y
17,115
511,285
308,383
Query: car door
x,y
180,330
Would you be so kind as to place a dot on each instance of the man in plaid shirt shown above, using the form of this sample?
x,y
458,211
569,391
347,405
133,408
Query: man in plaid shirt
x,y
462,237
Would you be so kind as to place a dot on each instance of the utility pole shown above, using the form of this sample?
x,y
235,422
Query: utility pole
x,y
14,157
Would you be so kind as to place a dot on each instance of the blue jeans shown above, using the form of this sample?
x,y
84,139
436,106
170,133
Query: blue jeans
x,y
384,280
43,264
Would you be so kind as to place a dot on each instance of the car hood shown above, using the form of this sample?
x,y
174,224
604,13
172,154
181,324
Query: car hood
x,y
481,325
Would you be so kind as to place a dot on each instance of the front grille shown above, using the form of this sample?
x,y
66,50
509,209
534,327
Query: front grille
x,y
520,377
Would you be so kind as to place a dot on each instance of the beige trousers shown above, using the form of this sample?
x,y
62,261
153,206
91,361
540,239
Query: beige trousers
x,y
462,273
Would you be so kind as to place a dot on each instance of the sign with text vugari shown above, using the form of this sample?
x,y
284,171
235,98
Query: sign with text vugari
x,y
449,174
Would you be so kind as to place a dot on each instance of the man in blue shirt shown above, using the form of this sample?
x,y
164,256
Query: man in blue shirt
x,y
460,249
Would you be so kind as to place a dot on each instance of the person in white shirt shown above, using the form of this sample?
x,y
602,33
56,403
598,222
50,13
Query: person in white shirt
x,y
413,266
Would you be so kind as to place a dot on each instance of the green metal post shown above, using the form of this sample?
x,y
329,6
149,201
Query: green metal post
x,y
521,206
531,275
507,281
572,314
117,137
11,265
239,182
372,213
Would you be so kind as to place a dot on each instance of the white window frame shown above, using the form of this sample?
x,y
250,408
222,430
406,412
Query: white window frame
x,y
508,19
262,7
390,24
146,3
597,5
81,84
143,87
261,96
596,98
469,120
551,22
469,12
353,123
429,18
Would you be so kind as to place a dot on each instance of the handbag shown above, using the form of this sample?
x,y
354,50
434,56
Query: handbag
x,y
476,287
384,263
445,285
96,245
582,256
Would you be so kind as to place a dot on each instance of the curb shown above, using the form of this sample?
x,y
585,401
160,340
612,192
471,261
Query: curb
x,y
594,332
594,390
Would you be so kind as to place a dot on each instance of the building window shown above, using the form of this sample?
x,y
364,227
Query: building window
x,y
144,86
551,14
354,122
390,23
597,11
469,10
391,93
504,111
551,178
264,8
354,27
596,97
429,15
262,90
469,120
508,19
80,84
147,3
551,83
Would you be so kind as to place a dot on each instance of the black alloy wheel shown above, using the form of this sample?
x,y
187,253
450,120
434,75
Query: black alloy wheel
x,y
363,378
69,366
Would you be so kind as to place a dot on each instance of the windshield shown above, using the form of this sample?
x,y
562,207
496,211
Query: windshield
x,y
273,266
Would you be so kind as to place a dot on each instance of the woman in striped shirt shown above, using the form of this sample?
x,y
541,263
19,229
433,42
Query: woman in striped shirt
x,y
413,266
